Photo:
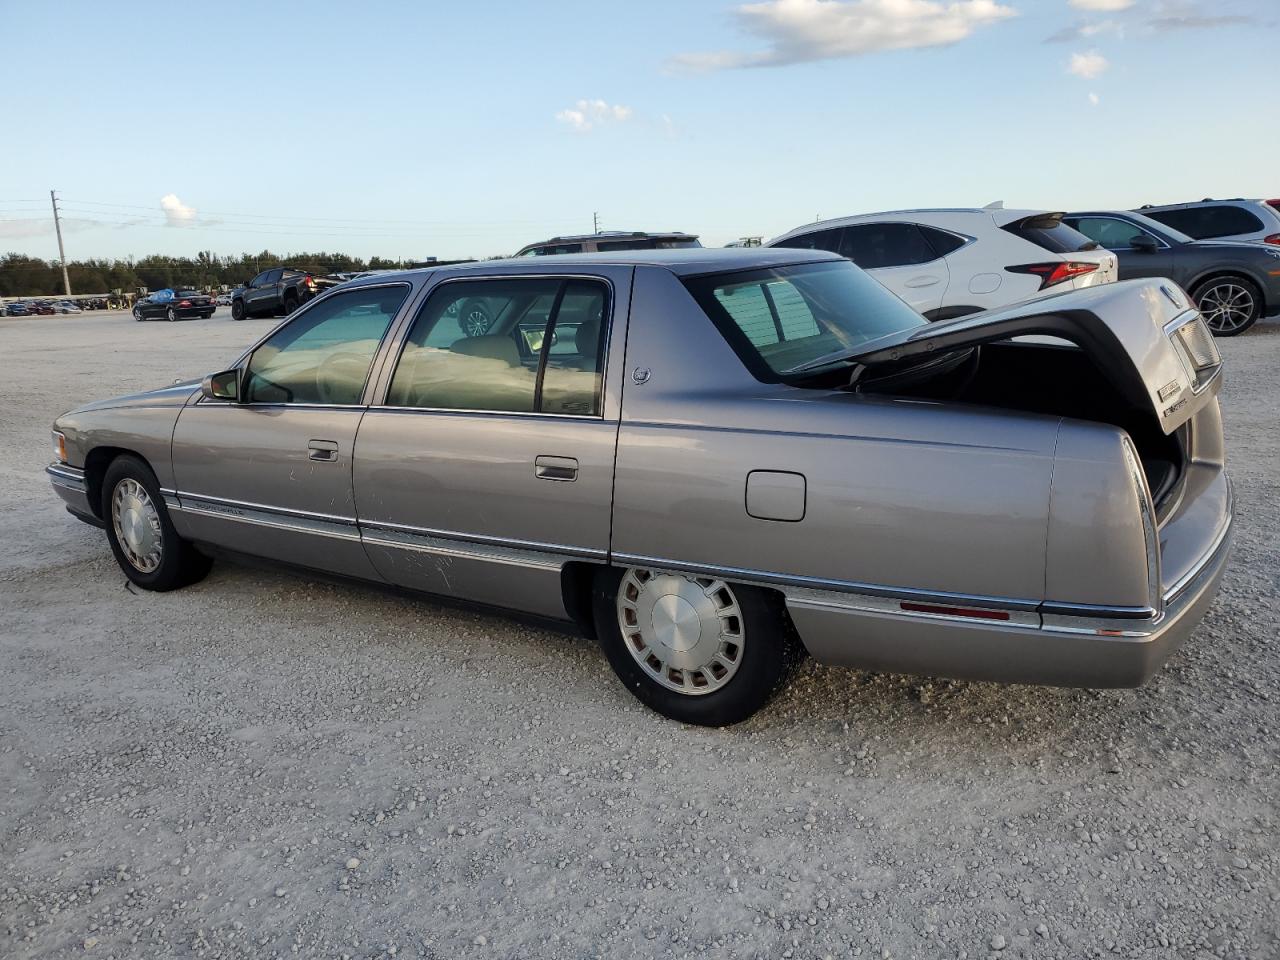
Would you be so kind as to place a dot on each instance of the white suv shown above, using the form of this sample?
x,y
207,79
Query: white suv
x,y
1254,221
948,263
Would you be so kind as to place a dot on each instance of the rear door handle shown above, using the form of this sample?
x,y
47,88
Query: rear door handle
x,y
326,451
555,468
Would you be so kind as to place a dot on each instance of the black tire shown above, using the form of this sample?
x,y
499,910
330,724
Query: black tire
x,y
180,563
770,655
290,303
171,314
237,310
475,318
1230,305
137,314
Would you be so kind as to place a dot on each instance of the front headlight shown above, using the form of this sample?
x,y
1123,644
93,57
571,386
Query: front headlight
x,y
60,447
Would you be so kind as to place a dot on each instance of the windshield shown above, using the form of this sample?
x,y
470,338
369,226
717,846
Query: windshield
x,y
782,319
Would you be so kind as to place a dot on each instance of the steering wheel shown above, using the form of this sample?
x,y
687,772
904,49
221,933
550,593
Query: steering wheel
x,y
340,377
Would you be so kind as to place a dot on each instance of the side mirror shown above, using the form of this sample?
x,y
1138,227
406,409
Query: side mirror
x,y
222,386
1144,243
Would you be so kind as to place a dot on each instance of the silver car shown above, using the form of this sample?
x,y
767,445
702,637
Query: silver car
x,y
714,461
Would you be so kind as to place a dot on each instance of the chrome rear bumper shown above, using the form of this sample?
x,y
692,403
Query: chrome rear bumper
x,y
1052,650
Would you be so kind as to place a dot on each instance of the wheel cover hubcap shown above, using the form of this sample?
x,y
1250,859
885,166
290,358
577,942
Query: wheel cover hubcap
x,y
1227,306
137,525
685,632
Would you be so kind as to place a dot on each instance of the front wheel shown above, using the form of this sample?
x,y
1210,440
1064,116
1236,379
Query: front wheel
x,y
237,309
137,314
141,535
1230,305
695,649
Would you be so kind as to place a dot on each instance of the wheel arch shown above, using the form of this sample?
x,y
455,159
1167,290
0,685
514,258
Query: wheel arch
x,y
96,462
1228,273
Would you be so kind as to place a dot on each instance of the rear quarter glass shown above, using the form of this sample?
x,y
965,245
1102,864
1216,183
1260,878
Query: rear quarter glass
x,y
1050,234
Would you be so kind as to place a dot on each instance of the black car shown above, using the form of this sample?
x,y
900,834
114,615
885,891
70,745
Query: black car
x,y
278,290
1233,283
183,305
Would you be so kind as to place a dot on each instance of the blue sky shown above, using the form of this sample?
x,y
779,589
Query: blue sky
x,y
468,129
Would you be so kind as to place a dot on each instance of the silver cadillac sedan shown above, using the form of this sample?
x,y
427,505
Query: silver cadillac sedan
x,y
712,461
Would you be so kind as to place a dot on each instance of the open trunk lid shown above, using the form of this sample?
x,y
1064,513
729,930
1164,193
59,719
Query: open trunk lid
x,y
1145,335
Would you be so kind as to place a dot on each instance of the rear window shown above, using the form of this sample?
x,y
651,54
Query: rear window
x,y
1206,223
1050,233
782,318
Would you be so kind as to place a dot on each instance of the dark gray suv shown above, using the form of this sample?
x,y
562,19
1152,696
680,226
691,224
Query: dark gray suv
x,y
1233,283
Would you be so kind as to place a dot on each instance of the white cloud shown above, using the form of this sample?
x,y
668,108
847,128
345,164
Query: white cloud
x,y
1103,6
1088,65
585,114
798,31
176,213
1094,99
1083,31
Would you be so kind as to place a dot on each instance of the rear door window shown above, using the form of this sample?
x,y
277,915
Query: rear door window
x,y
816,240
1206,223
539,351
874,245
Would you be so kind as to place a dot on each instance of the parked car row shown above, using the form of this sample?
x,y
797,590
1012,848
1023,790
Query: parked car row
x,y
953,262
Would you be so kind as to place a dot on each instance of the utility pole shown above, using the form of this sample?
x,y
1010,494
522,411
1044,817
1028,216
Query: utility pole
x,y
62,254
595,222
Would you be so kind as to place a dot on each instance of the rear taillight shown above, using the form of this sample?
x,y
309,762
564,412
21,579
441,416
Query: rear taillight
x,y
311,284
1052,274
1199,351
185,303
1274,239
1274,203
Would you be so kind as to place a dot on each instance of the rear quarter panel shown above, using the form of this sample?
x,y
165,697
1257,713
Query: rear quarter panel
x,y
898,493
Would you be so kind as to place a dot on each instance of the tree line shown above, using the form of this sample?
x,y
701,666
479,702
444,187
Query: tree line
x,y
23,276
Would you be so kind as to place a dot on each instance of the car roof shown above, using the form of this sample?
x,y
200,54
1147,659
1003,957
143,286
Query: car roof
x,y
1188,204
999,215
684,262
615,235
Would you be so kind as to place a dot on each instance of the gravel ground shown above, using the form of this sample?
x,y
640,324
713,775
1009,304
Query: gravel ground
x,y
265,766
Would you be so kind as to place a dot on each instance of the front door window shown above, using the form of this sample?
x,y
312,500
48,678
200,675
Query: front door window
x,y
324,355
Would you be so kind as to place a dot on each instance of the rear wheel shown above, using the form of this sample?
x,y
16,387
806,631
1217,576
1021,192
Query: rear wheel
x,y
237,309
1230,305
171,314
141,535
695,649
290,303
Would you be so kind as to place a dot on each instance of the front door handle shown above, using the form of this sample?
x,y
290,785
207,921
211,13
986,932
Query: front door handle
x,y
326,451
555,468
